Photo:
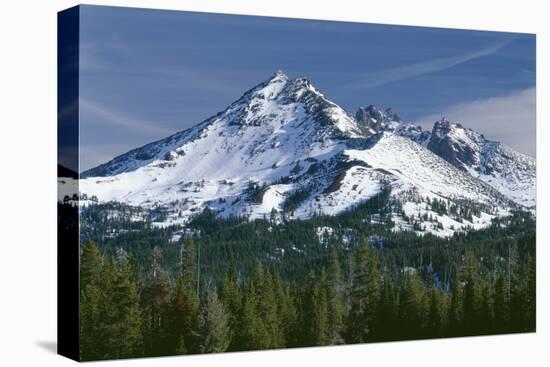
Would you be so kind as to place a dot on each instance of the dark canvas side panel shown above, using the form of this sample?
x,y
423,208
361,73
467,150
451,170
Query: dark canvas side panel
x,y
68,343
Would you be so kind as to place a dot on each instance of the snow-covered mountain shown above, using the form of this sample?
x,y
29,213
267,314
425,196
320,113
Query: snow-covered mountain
x,y
284,149
277,106
511,173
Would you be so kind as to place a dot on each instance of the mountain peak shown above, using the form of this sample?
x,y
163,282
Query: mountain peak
x,y
391,116
372,108
376,119
445,129
457,145
444,122
371,111
297,87
279,75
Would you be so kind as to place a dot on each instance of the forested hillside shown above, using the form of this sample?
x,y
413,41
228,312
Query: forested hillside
x,y
234,284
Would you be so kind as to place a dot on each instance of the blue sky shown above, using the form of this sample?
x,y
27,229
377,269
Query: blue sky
x,y
146,74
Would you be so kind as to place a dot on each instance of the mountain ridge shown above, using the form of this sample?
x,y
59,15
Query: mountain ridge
x,y
284,142
508,171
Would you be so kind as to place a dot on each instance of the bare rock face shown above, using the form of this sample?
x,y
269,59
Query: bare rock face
x,y
450,142
371,117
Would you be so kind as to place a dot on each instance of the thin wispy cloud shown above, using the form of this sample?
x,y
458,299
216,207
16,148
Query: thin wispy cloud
x,y
427,67
101,112
510,119
147,76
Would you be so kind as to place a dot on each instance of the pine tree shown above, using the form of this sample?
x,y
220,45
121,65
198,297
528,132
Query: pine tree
x,y
232,302
336,308
388,310
412,306
436,311
309,311
248,322
189,264
365,294
322,327
156,296
111,319
90,302
530,293
517,308
191,326
471,301
501,305
455,307
286,311
90,265
252,333
487,313
190,320
108,312
214,324
126,330
267,309
177,319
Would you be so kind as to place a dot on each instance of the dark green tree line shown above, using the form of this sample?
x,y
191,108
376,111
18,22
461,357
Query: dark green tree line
x,y
158,312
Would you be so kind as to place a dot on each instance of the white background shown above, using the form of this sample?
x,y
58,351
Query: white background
x,y
28,181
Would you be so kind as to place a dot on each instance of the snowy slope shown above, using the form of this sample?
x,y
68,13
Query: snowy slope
x,y
275,105
264,136
418,177
511,173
